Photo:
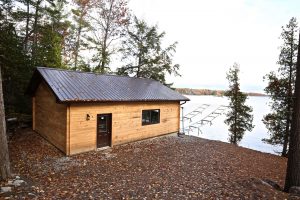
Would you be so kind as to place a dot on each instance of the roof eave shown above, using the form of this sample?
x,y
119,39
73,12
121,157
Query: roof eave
x,y
121,101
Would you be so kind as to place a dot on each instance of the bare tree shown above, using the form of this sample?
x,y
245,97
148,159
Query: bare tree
x,y
108,24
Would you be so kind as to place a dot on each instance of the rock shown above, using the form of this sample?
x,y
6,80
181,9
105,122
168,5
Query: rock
x,y
109,155
272,184
17,177
18,183
295,191
136,150
5,189
9,182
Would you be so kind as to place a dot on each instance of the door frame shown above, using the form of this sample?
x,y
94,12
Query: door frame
x,y
97,123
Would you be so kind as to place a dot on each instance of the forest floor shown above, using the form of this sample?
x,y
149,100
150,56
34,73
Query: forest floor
x,y
162,168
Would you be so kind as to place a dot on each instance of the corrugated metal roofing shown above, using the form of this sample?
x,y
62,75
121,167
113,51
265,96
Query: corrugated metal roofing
x,y
74,86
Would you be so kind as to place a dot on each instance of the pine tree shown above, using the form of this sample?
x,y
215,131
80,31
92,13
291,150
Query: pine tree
x,y
143,52
293,164
49,49
16,66
239,117
281,87
50,44
79,28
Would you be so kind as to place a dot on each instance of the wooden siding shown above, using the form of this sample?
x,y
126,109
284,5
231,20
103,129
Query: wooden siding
x,y
68,131
126,122
50,118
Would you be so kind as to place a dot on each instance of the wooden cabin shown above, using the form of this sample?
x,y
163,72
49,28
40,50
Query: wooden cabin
x,y
79,111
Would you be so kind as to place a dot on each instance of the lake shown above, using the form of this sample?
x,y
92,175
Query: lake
x,y
219,130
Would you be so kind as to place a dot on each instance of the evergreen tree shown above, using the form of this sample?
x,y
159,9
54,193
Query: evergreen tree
x,y
143,52
281,87
35,12
239,117
49,49
15,65
80,27
293,164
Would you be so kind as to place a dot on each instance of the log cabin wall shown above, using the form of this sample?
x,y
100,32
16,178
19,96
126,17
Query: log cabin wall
x,y
50,118
126,122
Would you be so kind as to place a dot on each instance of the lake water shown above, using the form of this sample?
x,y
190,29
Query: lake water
x,y
219,130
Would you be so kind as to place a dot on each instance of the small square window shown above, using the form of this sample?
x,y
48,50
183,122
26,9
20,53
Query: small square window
x,y
150,117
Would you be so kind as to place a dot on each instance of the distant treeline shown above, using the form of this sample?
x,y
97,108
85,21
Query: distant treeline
x,y
190,91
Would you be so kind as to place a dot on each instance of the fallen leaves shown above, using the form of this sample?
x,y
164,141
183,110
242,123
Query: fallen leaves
x,y
162,168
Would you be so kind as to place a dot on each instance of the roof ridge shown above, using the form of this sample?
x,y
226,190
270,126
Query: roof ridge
x,y
69,70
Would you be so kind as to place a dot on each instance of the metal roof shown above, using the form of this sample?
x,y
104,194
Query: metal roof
x,y
74,86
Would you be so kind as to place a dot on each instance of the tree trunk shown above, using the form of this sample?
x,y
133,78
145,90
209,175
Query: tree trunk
x,y
35,30
293,164
139,66
289,104
27,28
77,46
104,57
286,137
4,157
235,109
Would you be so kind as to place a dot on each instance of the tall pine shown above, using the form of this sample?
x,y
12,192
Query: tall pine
x,y
293,164
281,86
15,64
77,43
144,55
239,117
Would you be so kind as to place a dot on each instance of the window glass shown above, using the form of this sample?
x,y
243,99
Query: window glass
x,y
103,124
150,117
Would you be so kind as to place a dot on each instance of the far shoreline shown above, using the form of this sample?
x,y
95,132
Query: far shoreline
x,y
217,93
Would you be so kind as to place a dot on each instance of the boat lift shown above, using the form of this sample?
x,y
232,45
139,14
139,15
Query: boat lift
x,y
195,112
192,114
208,119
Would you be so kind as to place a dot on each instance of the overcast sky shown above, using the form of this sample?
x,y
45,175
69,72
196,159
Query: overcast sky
x,y
213,34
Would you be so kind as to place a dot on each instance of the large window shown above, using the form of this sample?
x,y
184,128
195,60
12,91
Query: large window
x,y
150,117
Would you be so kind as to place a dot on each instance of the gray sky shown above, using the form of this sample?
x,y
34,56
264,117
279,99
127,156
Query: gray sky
x,y
213,34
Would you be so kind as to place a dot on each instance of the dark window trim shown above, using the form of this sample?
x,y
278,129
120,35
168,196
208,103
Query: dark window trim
x,y
149,123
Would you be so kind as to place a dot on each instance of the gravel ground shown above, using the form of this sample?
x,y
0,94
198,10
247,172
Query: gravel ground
x,y
161,168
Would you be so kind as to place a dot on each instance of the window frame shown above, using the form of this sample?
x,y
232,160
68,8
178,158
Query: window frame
x,y
151,123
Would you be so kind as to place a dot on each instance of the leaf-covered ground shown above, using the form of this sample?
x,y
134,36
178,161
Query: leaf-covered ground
x,y
162,168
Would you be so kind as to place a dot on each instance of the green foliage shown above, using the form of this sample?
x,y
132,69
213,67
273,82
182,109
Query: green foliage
x,y
50,33
49,46
16,69
77,35
143,52
281,87
31,35
239,117
48,50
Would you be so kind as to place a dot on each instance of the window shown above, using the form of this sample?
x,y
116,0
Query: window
x,y
150,117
